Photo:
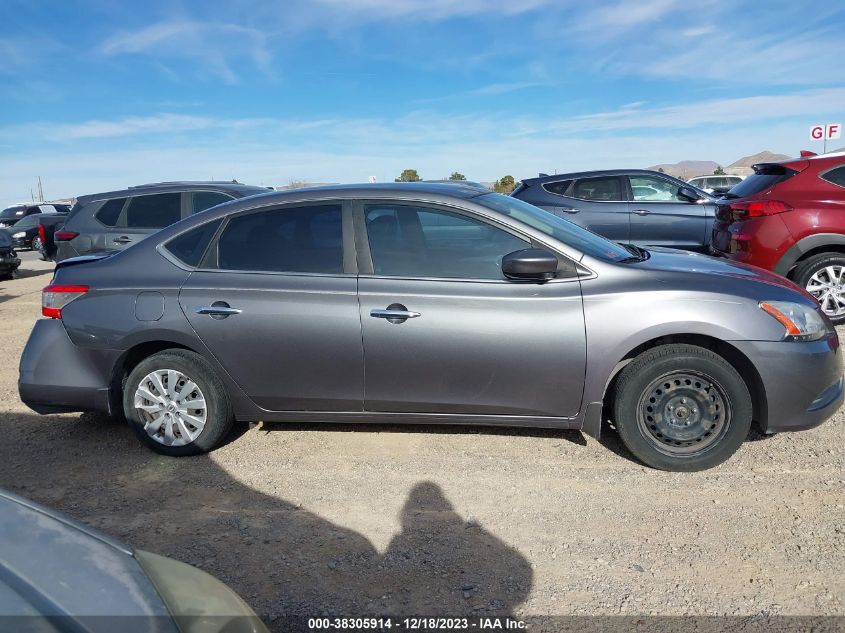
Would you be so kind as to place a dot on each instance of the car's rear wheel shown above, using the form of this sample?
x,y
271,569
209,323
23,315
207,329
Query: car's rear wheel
x,y
681,408
36,245
177,404
823,276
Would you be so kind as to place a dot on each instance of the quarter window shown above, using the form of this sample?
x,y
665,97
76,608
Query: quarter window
x,y
203,200
648,189
109,213
602,189
189,247
296,240
154,211
408,241
559,188
836,176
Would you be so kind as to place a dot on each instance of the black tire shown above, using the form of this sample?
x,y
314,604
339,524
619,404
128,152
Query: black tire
x,y
807,268
218,409
35,244
696,423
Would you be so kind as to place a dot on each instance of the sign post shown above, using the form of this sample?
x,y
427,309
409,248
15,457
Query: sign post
x,y
824,132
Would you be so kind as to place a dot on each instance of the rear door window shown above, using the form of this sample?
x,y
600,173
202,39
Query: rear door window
x,y
154,211
203,200
109,213
835,176
305,239
601,189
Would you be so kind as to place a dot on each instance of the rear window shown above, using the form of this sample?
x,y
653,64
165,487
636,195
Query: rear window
x,y
109,213
764,177
835,176
154,211
189,247
559,188
12,213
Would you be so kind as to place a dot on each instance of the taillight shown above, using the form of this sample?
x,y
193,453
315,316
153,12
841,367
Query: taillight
x,y
56,296
42,235
64,236
753,209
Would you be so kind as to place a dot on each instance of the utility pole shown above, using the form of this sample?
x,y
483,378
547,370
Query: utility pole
x,y
40,191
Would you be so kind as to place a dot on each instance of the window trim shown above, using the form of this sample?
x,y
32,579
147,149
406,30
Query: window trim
x,y
208,262
822,175
572,181
365,260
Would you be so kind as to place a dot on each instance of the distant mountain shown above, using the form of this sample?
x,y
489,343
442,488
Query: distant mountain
x,y
742,167
687,169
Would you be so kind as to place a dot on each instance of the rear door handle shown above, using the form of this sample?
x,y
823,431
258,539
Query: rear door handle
x,y
394,313
642,211
122,240
217,310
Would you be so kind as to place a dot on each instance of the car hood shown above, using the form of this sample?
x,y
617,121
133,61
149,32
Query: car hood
x,y
51,565
675,261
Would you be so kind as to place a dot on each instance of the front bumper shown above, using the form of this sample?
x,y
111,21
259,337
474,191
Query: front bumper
x,y
803,382
57,376
9,262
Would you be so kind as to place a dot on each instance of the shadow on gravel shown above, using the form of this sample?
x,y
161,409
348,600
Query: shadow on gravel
x,y
287,562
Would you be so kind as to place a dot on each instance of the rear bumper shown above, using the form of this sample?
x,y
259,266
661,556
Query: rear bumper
x,y
803,382
57,376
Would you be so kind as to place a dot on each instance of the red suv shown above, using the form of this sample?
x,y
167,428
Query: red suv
x,y
789,217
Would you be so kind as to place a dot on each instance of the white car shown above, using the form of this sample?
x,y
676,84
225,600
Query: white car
x,y
711,183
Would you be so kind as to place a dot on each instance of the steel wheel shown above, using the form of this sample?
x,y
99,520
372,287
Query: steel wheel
x,y
683,413
35,245
171,406
828,287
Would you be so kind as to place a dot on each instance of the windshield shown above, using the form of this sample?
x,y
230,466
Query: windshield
x,y
11,213
563,230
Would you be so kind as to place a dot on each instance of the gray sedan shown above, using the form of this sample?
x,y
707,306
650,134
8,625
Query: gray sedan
x,y
428,303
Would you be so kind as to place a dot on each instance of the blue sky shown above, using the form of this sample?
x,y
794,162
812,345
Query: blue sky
x,y
100,94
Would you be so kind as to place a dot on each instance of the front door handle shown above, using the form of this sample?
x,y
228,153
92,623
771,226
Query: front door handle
x,y
642,211
217,310
569,209
122,240
394,313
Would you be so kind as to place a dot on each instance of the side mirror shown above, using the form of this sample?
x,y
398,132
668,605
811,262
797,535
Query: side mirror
x,y
530,264
688,194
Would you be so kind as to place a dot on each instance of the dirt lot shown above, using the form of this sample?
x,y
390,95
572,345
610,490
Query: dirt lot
x,y
309,520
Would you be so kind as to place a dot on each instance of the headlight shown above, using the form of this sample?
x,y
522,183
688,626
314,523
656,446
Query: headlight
x,y
19,235
802,323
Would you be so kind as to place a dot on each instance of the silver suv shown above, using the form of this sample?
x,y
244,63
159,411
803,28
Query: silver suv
x,y
104,222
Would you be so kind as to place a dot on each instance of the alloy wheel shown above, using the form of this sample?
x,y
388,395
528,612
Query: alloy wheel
x,y
171,406
827,285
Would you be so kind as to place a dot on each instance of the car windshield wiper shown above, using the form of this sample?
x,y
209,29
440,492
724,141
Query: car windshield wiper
x,y
638,254
729,195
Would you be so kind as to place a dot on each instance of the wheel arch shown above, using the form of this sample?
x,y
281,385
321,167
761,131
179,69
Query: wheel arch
x,y
807,247
130,359
739,361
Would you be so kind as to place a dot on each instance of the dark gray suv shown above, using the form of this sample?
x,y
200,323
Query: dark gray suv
x,y
630,206
111,221
428,303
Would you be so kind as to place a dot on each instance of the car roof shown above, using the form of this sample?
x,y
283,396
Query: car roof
x,y
599,172
175,187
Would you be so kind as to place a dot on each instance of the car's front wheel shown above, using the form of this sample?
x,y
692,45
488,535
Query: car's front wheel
x,y
823,276
681,408
36,245
176,403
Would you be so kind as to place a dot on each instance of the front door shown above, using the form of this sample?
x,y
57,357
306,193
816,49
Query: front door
x,y
660,217
445,332
278,307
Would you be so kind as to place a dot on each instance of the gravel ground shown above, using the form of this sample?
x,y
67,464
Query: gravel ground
x,y
309,520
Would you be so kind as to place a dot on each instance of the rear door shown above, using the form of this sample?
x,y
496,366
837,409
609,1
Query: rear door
x,y
599,203
275,300
661,217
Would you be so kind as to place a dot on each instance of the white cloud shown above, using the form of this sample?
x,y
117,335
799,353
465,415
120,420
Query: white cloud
x,y
432,9
211,44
